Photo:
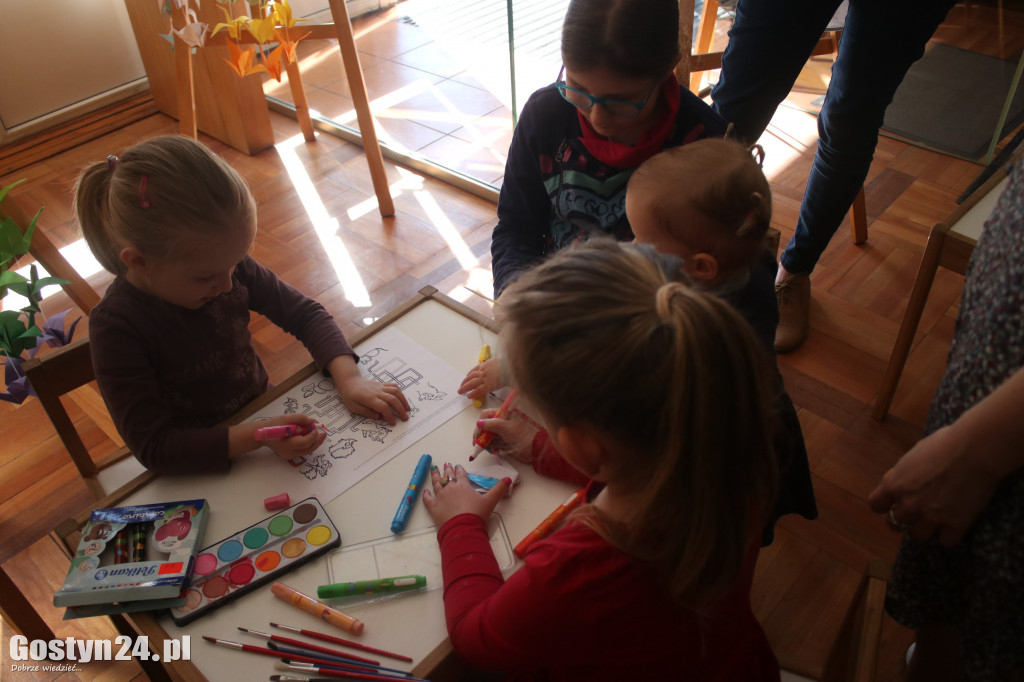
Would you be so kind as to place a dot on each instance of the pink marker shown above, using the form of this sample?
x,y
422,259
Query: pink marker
x,y
283,431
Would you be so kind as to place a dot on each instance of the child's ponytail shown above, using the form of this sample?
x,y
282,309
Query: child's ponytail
x,y
603,336
90,205
159,197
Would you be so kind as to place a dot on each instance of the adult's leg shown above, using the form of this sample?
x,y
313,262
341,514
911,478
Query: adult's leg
x,y
880,41
769,43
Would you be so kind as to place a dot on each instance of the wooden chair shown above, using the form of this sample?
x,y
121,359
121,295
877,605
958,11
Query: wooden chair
x,y
16,610
853,656
47,376
63,371
340,30
950,245
855,653
693,63
47,254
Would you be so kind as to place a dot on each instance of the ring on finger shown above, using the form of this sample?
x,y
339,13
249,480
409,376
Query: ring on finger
x,y
444,481
894,524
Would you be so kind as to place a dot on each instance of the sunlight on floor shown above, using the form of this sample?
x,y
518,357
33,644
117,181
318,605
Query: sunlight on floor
x,y
408,182
381,104
326,226
791,132
447,231
479,282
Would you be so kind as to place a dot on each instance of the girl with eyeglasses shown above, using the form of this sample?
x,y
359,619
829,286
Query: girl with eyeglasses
x,y
616,103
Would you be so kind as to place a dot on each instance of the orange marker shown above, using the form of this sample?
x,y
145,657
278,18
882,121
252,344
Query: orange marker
x,y
483,441
485,355
321,611
547,526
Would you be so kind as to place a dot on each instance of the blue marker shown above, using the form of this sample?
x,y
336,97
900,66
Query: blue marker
x,y
405,508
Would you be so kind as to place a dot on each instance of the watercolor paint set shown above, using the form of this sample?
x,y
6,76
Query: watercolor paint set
x,y
134,554
256,555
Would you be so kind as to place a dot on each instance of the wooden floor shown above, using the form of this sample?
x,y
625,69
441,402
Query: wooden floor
x,y
440,236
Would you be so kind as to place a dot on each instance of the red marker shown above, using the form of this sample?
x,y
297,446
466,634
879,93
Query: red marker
x,y
548,525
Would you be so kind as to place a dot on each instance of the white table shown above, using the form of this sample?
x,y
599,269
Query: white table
x,y
412,624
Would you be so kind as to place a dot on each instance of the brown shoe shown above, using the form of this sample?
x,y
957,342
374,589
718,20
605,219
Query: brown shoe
x,y
794,297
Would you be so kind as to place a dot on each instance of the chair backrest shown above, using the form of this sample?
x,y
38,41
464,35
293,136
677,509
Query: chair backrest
x,y
54,374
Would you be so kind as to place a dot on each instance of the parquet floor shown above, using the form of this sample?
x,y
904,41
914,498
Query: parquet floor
x,y
440,236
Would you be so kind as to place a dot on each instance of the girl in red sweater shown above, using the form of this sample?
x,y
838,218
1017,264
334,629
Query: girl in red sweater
x,y
657,399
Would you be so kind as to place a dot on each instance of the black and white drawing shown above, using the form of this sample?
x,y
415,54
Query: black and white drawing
x,y
356,445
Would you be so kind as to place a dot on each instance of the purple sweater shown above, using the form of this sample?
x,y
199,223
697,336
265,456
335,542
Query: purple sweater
x,y
169,375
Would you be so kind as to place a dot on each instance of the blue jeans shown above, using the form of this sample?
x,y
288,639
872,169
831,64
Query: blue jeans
x,y
768,45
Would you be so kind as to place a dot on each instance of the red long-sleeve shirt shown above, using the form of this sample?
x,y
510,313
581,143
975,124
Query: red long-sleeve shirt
x,y
581,609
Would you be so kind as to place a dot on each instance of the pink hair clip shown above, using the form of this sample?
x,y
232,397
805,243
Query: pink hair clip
x,y
144,192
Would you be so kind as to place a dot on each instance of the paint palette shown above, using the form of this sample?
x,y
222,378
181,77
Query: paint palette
x,y
256,555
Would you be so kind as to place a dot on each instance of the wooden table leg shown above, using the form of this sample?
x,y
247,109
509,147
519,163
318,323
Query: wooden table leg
x,y
184,81
301,105
705,31
354,73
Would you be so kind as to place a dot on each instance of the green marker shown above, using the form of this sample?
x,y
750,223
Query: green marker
x,y
399,584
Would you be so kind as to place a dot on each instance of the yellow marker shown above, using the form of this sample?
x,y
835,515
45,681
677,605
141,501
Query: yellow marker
x,y
485,355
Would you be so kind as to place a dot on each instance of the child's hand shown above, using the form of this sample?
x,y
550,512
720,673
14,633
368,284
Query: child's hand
x,y
452,494
482,379
374,399
294,446
513,436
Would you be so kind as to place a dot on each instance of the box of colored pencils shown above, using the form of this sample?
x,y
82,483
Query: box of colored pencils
x,y
139,554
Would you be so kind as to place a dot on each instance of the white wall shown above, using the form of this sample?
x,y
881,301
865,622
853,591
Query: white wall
x,y
63,58
56,53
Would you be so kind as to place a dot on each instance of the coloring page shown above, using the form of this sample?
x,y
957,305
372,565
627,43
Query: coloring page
x,y
357,445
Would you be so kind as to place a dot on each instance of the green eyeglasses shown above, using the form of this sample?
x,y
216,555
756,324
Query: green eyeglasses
x,y
615,107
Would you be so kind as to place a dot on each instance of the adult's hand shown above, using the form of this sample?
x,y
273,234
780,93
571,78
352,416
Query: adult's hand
x,y
937,489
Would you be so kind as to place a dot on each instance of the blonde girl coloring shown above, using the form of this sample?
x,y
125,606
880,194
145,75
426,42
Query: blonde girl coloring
x,y
170,339
658,399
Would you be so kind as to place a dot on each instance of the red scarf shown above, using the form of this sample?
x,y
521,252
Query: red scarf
x,y
649,144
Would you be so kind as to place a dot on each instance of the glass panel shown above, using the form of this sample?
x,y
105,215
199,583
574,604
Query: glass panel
x,y
438,74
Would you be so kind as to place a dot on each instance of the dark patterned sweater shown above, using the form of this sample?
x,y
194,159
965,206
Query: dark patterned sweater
x,y
555,190
169,374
